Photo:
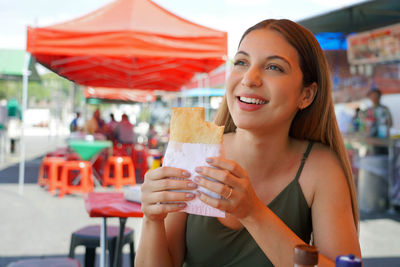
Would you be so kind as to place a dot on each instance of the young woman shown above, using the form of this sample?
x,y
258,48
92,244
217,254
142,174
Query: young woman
x,y
285,177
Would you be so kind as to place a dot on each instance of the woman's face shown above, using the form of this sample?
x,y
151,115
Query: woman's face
x,y
264,86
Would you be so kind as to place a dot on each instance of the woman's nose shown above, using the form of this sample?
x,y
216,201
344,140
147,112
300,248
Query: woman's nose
x,y
252,78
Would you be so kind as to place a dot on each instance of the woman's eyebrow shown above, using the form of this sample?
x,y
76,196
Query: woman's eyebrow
x,y
278,57
268,58
241,52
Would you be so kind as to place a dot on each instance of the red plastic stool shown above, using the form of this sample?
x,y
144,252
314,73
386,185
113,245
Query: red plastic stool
x,y
114,172
48,262
85,185
59,152
120,149
49,173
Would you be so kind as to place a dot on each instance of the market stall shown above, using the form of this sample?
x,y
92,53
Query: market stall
x,y
134,44
367,57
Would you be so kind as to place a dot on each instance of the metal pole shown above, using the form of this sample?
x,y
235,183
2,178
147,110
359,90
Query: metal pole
x,y
25,76
103,243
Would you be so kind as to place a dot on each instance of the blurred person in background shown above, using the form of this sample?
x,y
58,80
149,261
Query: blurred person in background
x,y
108,129
379,120
76,124
14,123
378,116
356,120
95,123
123,131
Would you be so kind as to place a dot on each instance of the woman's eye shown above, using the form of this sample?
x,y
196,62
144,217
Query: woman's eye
x,y
274,67
239,63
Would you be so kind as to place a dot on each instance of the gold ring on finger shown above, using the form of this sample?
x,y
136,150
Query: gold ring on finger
x,y
229,194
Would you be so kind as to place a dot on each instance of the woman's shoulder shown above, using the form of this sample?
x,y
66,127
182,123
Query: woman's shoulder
x,y
323,166
322,172
322,158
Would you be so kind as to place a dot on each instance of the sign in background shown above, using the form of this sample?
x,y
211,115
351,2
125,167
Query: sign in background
x,y
376,46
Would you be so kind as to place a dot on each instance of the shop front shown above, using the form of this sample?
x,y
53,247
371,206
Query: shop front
x,y
368,58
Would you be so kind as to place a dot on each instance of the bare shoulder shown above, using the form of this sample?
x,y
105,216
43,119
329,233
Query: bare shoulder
x,y
323,157
322,172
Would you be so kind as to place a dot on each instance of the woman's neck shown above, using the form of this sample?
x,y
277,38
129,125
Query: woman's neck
x,y
260,151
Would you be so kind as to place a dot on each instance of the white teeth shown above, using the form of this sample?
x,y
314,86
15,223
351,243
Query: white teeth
x,y
249,100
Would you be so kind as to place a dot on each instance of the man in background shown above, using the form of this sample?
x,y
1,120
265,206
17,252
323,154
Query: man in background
x,y
378,116
379,120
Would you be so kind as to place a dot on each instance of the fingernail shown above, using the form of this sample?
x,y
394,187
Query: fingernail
x,y
198,193
192,185
186,174
198,169
190,195
181,205
209,160
197,179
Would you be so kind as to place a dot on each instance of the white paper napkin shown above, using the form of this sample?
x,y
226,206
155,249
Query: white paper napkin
x,y
188,156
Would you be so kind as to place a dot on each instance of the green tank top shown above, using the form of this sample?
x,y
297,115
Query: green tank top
x,y
209,243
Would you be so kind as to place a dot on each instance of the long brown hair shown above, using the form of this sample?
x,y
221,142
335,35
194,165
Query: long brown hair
x,y
317,122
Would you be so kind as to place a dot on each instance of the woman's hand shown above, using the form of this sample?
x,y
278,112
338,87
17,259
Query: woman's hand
x,y
157,198
232,182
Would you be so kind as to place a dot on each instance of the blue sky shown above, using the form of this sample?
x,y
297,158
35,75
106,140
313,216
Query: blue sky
x,y
233,16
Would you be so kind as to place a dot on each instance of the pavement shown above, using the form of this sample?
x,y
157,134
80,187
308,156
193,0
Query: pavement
x,y
36,224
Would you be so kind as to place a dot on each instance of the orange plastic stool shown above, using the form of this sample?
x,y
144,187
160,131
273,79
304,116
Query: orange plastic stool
x,y
85,184
50,173
114,172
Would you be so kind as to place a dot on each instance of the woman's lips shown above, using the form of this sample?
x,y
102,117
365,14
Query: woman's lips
x,y
251,103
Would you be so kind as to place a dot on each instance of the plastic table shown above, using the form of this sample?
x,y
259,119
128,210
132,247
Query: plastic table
x,y
111,204
87,150
90,150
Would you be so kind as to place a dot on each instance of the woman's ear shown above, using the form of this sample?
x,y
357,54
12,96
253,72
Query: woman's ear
x,y
307,95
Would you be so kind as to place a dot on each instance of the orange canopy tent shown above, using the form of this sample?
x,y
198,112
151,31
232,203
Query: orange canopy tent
x,y
129,44
119,95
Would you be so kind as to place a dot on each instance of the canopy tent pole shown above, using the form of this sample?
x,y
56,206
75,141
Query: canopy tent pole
x,y
25,76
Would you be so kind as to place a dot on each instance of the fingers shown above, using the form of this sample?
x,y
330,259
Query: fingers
x,y
163,208
173,184
228,165
163,172
167,197
214,186
222,176
158,199
161,179
221,204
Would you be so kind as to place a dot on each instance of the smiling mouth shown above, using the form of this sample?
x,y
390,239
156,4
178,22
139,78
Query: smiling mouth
x,y
253,101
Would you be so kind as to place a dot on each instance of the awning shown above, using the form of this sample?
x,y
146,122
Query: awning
x,y
129,44
12,64
356,18
119,95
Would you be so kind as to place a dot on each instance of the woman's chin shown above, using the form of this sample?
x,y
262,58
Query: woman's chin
x,y
248,125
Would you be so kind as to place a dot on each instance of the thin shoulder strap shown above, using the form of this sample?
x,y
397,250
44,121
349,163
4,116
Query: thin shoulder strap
x,y
303,160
